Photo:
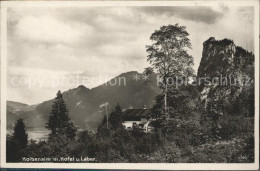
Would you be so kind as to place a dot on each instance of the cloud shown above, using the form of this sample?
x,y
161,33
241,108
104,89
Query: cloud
x,y
47,30
197,14
98,41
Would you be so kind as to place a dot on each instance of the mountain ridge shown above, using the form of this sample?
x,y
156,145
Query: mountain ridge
x,y
83,103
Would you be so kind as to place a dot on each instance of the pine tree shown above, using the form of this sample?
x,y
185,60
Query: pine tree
x,y
116,117
20,135
59,122
16,143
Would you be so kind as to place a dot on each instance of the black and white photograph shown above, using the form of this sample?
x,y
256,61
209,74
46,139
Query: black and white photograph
x,y
130,84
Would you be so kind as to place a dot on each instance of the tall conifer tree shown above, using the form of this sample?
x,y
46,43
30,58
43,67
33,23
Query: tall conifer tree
x,y
20,135
59,122
116,116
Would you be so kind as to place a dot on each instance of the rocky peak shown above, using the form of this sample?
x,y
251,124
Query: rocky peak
x,y
82,87
211,39
224,60
222,57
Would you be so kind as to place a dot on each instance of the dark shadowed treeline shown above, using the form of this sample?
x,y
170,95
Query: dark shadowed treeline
x,y
180,140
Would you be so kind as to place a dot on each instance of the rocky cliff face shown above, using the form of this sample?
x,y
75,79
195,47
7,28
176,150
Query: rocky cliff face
x,y
229,70
224,57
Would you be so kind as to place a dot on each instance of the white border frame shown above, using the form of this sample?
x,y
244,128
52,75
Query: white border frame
x,y
153,166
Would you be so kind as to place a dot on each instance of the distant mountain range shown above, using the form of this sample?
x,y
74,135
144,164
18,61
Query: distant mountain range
x,y
83,103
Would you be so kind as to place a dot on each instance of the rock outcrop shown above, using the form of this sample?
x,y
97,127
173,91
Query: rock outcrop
x,y
227,74
224,57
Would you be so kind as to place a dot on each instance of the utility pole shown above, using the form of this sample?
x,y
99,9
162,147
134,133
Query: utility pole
x,y
107,115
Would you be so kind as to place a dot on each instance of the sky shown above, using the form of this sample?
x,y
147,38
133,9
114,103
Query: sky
x,y
50,47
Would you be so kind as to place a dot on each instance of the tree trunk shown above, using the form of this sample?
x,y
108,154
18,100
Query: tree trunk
x,y
107,116
165,102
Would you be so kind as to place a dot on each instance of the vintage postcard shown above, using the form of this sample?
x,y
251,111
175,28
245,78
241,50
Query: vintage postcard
x,y
161,85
